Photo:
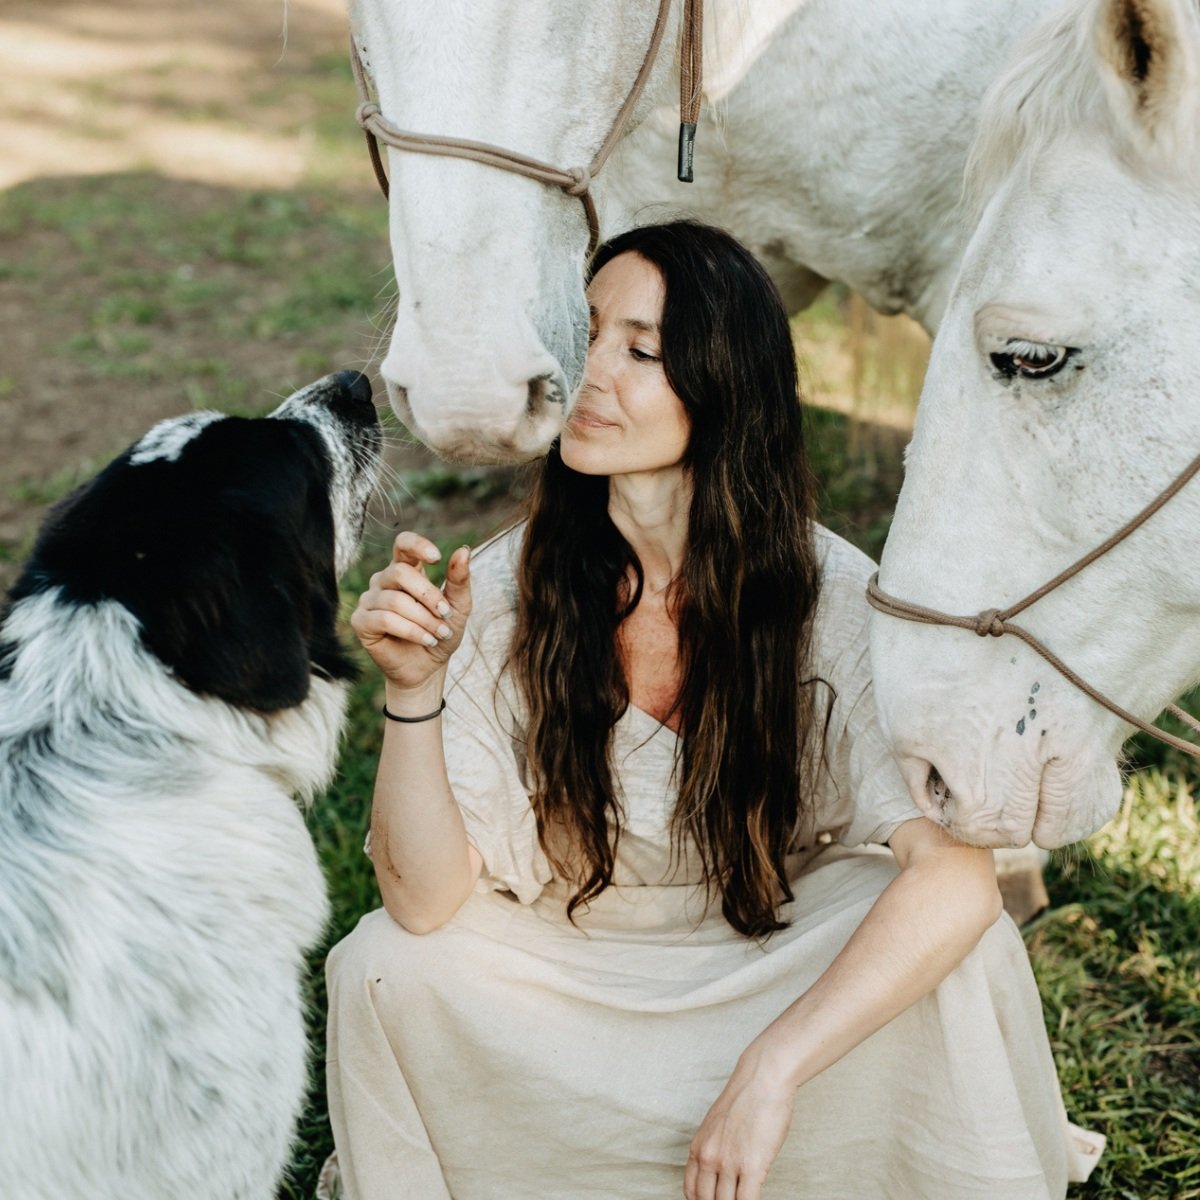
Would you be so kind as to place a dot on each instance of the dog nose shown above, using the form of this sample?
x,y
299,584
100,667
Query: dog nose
x,y
355,387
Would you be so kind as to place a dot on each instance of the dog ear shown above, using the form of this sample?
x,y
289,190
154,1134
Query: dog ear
x,y
225,555
242,636
250,612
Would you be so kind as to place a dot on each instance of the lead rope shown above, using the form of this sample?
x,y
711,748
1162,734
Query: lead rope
x,y
575,181
995,622
691,82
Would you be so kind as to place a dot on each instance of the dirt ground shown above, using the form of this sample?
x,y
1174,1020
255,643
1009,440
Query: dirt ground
x,y
135,135
188,220
164,72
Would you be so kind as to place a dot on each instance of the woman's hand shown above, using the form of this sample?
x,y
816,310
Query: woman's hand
x,y
741,1134
918,930
406,624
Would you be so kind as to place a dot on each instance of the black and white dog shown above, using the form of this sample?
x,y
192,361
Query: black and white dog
x,y
170,678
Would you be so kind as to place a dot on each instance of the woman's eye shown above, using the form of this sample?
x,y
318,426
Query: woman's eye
x,y
591,336
643,355
1030,360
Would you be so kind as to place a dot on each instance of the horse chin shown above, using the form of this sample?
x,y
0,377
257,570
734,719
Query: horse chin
x,y
473,443
992,830
987,791
1070,801
1077,798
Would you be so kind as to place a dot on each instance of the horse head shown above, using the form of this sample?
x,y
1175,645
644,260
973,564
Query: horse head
x,y
1061,397
491,327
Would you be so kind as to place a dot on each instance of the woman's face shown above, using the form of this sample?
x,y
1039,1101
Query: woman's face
x,y
627,419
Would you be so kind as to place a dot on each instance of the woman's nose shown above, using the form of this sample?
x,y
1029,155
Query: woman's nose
x,y
597,370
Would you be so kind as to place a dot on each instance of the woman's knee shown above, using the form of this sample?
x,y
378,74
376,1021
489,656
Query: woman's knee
x,y
368,953
1001,959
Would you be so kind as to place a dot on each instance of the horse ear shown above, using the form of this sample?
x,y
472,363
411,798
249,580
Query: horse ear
x,y
1149,50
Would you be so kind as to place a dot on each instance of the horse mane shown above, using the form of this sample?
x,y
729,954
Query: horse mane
x,y
1056,84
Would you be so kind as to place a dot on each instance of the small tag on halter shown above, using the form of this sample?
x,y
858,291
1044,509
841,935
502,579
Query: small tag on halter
x,y
687,147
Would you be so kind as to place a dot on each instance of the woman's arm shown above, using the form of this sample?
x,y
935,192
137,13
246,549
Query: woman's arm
x,y
423,863
919,929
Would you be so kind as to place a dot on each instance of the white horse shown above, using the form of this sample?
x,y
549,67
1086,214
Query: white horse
x,y
832,141
1062,396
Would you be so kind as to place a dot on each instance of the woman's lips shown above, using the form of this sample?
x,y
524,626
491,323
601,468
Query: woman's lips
x,y
583,418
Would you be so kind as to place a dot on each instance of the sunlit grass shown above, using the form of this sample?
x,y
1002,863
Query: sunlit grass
x,y
1117,959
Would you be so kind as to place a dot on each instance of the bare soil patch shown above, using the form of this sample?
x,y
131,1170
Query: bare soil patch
x,y
186,221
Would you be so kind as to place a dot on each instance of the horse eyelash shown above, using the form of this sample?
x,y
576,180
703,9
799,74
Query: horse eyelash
x,y
1026,349
1044,360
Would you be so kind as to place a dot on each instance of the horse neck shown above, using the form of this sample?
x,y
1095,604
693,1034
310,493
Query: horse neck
x,y
850,119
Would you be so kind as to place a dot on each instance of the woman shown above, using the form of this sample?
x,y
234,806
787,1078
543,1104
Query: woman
x,y
633,790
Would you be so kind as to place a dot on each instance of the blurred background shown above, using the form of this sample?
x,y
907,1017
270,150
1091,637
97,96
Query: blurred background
x,y
188,220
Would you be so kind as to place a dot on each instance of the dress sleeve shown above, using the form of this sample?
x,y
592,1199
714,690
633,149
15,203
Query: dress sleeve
x,y
484,746
862,797
879,797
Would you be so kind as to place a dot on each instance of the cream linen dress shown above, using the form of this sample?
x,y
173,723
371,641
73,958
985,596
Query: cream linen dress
x,y
513,1056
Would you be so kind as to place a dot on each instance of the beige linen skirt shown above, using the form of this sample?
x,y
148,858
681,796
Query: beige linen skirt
x,y
513,1056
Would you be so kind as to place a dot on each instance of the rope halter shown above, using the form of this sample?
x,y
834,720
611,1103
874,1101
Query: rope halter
x,y
574,181
996,622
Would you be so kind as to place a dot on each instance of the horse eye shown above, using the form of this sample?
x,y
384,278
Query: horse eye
x,y
1030,360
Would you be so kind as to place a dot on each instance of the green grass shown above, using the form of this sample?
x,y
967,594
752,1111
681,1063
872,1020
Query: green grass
x,y
55,487
1117,959
161,277
857,489
338,822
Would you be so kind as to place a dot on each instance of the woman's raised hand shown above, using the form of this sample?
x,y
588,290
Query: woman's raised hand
x,y
406,624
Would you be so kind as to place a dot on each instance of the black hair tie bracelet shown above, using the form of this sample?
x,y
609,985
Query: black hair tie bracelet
x,y
437,712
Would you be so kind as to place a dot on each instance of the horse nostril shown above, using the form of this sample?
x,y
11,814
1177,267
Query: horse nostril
x,y
937,789
543,390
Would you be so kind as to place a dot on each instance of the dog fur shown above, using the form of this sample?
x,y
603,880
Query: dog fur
x,y
170,678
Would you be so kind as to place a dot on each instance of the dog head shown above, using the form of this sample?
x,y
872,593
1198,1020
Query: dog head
x,y
224,537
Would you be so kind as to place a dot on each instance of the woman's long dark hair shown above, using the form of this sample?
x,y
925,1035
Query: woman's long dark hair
x,y
743,603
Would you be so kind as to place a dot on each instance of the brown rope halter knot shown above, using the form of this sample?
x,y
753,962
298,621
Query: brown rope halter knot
x,y
989,623
574,181
996,622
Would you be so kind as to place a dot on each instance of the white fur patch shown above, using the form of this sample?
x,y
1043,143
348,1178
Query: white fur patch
x,y
158,890
350,488
168,438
